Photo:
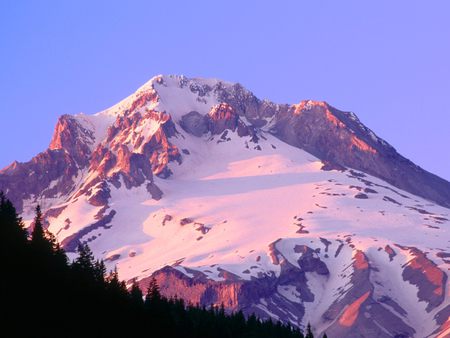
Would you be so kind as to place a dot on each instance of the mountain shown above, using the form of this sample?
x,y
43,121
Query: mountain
x,y
295,212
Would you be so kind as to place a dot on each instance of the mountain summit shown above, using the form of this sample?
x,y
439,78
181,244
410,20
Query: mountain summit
x,y
295,212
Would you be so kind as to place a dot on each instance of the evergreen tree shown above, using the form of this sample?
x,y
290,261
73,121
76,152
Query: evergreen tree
x,y
11,225
43,242
115,286
99,269
113,278
136,294
37,237
153,293
309,333
85,259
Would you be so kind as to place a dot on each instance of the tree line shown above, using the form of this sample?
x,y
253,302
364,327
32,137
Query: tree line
x,y
43,294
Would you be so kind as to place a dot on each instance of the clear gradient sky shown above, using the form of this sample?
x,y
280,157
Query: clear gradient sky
x,y
387,61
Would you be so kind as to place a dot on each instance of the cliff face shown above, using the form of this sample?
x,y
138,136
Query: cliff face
x,y
339,138
293,212
286,296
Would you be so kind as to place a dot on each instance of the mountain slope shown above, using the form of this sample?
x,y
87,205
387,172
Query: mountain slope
x,y
296,212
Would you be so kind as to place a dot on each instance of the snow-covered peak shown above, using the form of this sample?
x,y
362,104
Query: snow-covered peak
x,y
160,98
179,95
182,81
175,94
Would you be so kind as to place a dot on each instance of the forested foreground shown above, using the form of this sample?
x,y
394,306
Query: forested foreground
x,y
45,295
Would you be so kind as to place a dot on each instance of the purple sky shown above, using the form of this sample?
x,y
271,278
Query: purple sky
x,y
387,61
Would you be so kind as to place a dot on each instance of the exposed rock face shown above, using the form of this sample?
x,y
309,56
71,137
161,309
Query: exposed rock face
x,y
197,290
258,296
424,273
101,195
340,138
309,263
52,172
443,320
154,191
356,312
21,181
147,135
353,315
73,138
221,117
194,123
246,104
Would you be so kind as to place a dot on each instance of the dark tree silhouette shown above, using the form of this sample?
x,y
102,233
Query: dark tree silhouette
x,y
38,237
309,333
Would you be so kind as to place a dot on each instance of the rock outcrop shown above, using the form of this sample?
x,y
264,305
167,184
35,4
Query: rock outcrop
x,y
340,138
356,312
